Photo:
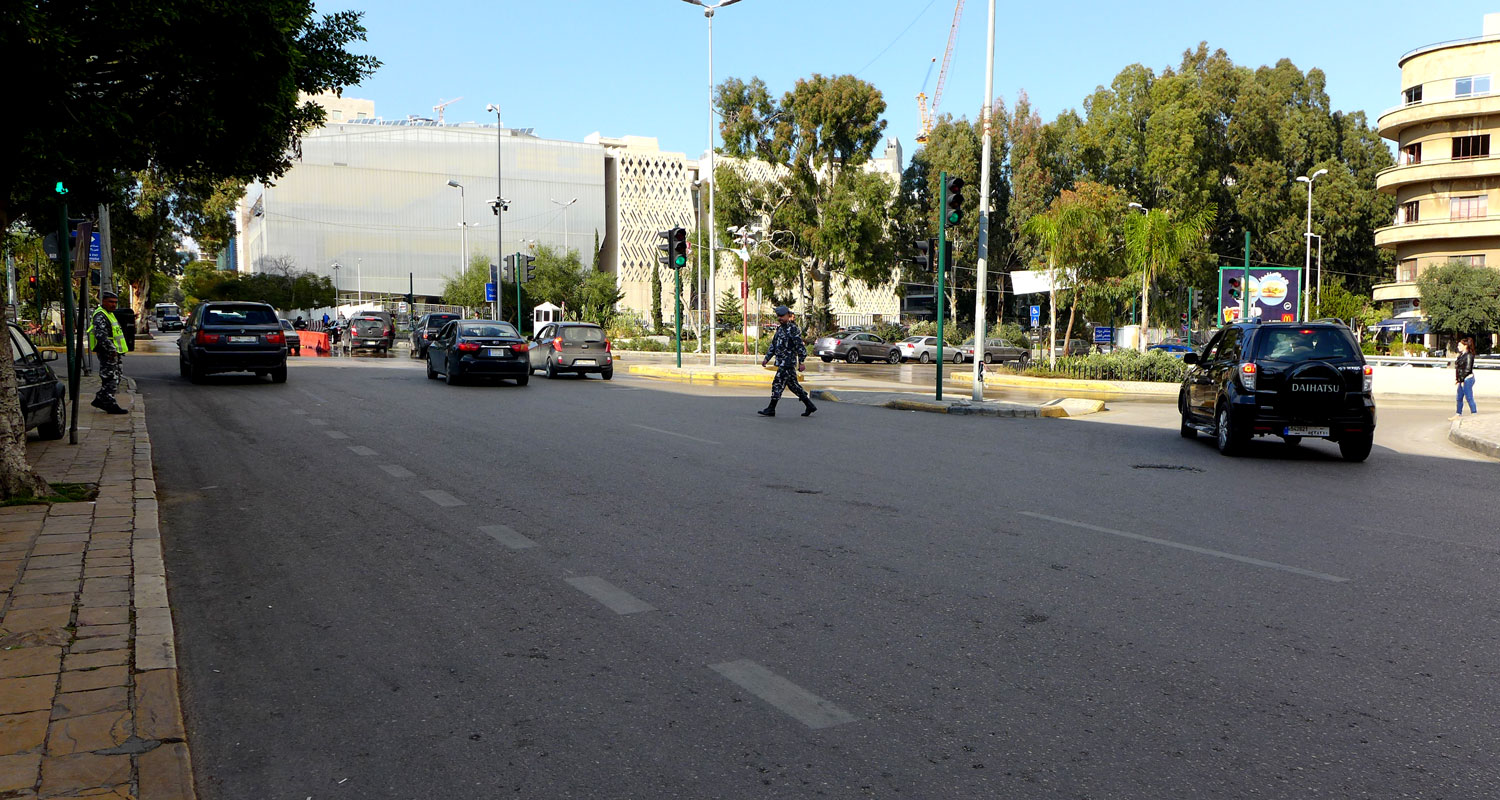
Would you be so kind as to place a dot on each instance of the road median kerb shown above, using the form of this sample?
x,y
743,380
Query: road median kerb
x,y
901,401
1480,434
732,377
1116,388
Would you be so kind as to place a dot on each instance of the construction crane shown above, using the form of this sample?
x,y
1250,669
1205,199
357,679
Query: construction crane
x,y
442,104
937,94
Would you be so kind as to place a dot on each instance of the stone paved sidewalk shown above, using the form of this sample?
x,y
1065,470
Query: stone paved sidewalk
x,y
89,703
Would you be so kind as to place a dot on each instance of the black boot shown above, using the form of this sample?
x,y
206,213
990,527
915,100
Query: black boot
x,y
807,401
768,411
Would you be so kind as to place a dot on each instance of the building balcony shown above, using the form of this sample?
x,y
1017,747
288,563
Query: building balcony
x,y
1400,290
1393,121
1478,228
1392,178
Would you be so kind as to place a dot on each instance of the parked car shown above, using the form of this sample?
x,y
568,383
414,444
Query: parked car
x,y
1292,380
997,350
426,328
856,346
293,340
577,347
368,332
232,336
44,398
478,347
1173,349
924,350
1075,347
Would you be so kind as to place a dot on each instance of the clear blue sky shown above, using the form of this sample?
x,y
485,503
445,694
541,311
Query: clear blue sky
x,y
639,67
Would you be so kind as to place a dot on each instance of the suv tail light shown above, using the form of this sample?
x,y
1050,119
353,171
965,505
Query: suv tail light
x,y
1247,376
468,347
1369,378
204,337
276,338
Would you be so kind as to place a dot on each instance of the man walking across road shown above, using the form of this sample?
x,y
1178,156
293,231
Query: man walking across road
x,y
789,352
107,340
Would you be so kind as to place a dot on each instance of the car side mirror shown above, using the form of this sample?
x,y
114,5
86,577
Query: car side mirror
x,y
1190,358
49,355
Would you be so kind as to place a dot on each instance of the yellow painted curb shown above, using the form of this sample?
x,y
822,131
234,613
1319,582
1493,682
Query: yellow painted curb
x,y
1076,384
1052,411
917,405
688,375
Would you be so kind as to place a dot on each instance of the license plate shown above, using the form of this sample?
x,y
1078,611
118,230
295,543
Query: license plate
x,y
1305,430
583,362
497,352
243,339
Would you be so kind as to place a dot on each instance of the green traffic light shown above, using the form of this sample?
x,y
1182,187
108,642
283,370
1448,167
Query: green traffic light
x,y
954,217
680,261
60,188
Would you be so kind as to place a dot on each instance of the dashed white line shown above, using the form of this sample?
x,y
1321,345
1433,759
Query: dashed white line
x,y
674,433
361,450
791,699
442,498
507,536
397,471
336,434
1322,576
612,597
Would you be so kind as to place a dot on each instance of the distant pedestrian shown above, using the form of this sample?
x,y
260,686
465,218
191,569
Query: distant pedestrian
x,y
789,352
1464,374
107,339
325,320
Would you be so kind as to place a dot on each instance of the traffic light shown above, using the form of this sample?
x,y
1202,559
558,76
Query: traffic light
x,y
954,193
665,259
679,248
926,259
508,269
524,263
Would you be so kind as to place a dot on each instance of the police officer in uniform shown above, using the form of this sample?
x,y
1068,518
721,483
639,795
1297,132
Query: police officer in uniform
x,y
107,340
789,352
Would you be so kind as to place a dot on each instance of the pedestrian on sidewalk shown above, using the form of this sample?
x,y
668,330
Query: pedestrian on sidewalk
x,y
789,352
1464,373
110,347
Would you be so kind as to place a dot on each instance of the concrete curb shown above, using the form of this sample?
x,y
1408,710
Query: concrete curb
x,y
1117,388
702,375
1478,444
1071,407
933,406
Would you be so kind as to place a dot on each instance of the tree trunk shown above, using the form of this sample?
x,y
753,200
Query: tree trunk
x,y
656,299
17,478
1072,315
1145,305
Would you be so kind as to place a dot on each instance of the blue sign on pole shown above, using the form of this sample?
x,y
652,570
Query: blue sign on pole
x,y
1103,335
489,293
1036,315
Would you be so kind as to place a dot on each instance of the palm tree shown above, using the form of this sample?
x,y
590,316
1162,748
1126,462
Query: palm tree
x,y
1071,231
1157,240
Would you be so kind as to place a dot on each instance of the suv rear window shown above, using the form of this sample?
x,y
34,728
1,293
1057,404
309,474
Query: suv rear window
x,y
1306,344
239,315
582,335
488,330
439,320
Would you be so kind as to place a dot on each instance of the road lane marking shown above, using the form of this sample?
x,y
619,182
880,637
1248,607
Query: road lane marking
x,y
397,471
507,536
316,421
361,450
612,597
787,697
673,433
337,434
442,498
1322,576
299,411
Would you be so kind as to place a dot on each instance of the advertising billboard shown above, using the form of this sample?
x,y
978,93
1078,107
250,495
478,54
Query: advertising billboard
x,y
1275,293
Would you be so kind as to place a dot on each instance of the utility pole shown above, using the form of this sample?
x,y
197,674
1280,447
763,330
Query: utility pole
x,y
1245,286
499,211
942,257
983,245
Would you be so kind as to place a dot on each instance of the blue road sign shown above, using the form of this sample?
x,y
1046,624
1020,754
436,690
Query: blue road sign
x,y
489,293
1036,315
1103,335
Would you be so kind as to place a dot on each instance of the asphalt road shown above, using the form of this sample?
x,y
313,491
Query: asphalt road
x,y
390,588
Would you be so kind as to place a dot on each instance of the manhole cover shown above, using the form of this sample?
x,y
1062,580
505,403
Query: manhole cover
x,y
1176,467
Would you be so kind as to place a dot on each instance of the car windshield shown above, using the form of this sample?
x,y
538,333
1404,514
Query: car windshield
x,y
487,330
582,335
1303,344
286,325
239,315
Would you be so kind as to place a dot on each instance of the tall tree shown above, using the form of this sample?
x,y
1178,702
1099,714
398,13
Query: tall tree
x,y
1080,234
1460,299
1157,241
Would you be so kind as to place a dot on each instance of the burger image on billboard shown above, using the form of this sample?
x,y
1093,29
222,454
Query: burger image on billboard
x,y
1273,288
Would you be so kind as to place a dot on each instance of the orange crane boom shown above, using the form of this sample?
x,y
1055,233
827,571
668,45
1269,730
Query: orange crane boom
x,y
937,94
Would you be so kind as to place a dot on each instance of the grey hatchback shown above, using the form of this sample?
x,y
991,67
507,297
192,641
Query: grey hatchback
x,y
577,347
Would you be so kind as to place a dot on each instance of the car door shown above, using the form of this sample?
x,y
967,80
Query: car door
x,y
1226,360
535,355
29,375
1200,387
437,351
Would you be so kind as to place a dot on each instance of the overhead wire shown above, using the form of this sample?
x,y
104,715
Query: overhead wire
x,y
903,32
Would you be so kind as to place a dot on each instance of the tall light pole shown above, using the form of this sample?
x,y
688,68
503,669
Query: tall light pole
x,y
463,228
565,207
1307,240
983,250
336,267
359,275
1145,275
713,228
500,207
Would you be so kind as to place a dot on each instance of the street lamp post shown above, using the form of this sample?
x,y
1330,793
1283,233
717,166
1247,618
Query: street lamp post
x,y
500,208
359,275
336,267
713,228
463,228
1145,274
565,207
1307,241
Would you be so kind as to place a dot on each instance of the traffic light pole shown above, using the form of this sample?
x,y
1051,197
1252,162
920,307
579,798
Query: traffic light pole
x,y
65,262
942,260
515,272
677,273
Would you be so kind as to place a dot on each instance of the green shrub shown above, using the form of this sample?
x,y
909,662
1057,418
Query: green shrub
x,y
1120,365
1416,349
1367,347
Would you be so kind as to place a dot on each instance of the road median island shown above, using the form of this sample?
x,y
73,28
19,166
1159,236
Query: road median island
x,y
1111,389
730,376
903,401
1478,433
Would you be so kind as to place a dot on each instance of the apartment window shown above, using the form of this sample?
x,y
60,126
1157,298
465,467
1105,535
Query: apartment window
x,y
1471,86
336,114
1471,146
360,115
1413,95
1468,207
1411,154
1406,213
1406,271
1473,261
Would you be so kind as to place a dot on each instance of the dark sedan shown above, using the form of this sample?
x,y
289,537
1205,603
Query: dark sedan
x,y
228,336
426,328
44,399
477,347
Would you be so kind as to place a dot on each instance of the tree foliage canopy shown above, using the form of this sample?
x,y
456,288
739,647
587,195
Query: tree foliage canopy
x,y
1460,299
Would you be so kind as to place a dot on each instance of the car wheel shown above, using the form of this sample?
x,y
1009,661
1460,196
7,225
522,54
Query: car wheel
x,y
451,377
853,356
278,375
57,421
182,367
958,358
924,359
522,380
988,358
827,359
607,373
551,369
1228,439
195,373
1024,361
1356,448
1292,441
1187,431
894,357
431,373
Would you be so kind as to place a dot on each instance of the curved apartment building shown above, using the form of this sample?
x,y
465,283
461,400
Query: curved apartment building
x,y
1446,179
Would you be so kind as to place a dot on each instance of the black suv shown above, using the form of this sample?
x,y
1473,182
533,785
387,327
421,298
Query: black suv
x,y
1285,379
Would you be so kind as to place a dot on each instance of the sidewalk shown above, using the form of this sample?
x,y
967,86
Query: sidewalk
x,y
89,703
1478,432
